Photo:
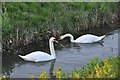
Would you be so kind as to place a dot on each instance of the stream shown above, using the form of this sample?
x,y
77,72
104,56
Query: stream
x,y
69,56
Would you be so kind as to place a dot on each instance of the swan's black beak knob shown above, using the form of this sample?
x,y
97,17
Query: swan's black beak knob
x,y
59,39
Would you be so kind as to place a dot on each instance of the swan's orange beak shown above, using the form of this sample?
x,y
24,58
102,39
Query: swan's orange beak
x,y
56,41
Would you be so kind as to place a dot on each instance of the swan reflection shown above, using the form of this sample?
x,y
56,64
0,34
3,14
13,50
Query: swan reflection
x,y
33,68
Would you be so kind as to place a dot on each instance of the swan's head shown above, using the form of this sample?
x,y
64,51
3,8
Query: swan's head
x,y
61,37
64,36
53,39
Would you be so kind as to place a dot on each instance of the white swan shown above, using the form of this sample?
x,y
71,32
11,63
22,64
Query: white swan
x,y
88,38
38,56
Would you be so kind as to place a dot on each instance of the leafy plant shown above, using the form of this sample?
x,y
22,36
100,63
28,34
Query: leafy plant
x,y
94,69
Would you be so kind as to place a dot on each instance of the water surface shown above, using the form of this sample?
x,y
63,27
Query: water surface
x,y
69,56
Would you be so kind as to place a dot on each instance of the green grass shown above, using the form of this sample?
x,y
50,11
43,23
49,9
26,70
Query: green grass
x,y
33,21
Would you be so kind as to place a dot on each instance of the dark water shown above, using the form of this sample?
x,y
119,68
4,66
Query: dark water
x,y
69,56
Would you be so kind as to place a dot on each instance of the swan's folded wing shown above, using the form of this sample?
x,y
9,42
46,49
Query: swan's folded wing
x,y
37,56
87,39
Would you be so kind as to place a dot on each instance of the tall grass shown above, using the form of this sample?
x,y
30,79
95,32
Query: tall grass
x,y
25,22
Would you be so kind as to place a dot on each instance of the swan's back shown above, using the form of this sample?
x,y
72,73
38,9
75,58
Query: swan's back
x,y
37,56
88,38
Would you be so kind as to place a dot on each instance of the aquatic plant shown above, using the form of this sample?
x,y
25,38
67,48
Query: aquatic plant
x,y
43,76
75,74
60,74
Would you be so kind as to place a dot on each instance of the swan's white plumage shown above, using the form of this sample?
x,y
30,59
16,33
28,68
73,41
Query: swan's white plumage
x,y
88,38
38,56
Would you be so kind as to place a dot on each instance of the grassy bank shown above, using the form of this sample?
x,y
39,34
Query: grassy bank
x,y
109,68
23,23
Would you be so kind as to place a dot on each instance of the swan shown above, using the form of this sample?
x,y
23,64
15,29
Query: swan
x,y
88,38
39,56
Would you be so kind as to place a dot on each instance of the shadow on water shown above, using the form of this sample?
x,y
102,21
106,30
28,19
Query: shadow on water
x,y
69,56
34,67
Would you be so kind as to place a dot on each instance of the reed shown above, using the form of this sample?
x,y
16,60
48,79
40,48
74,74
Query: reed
x,y
25,22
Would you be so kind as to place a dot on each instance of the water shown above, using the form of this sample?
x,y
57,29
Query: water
x,y
69,56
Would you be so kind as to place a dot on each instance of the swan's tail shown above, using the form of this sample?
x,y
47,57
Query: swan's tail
x,y
21,56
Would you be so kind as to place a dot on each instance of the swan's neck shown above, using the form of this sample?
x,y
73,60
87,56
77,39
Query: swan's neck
x,y
52,50
71,37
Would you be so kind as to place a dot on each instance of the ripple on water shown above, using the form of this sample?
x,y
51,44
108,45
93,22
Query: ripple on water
x,y
69,56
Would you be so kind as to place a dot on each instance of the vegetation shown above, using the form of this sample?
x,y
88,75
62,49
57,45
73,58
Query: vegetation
x,y
25,22
94,69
